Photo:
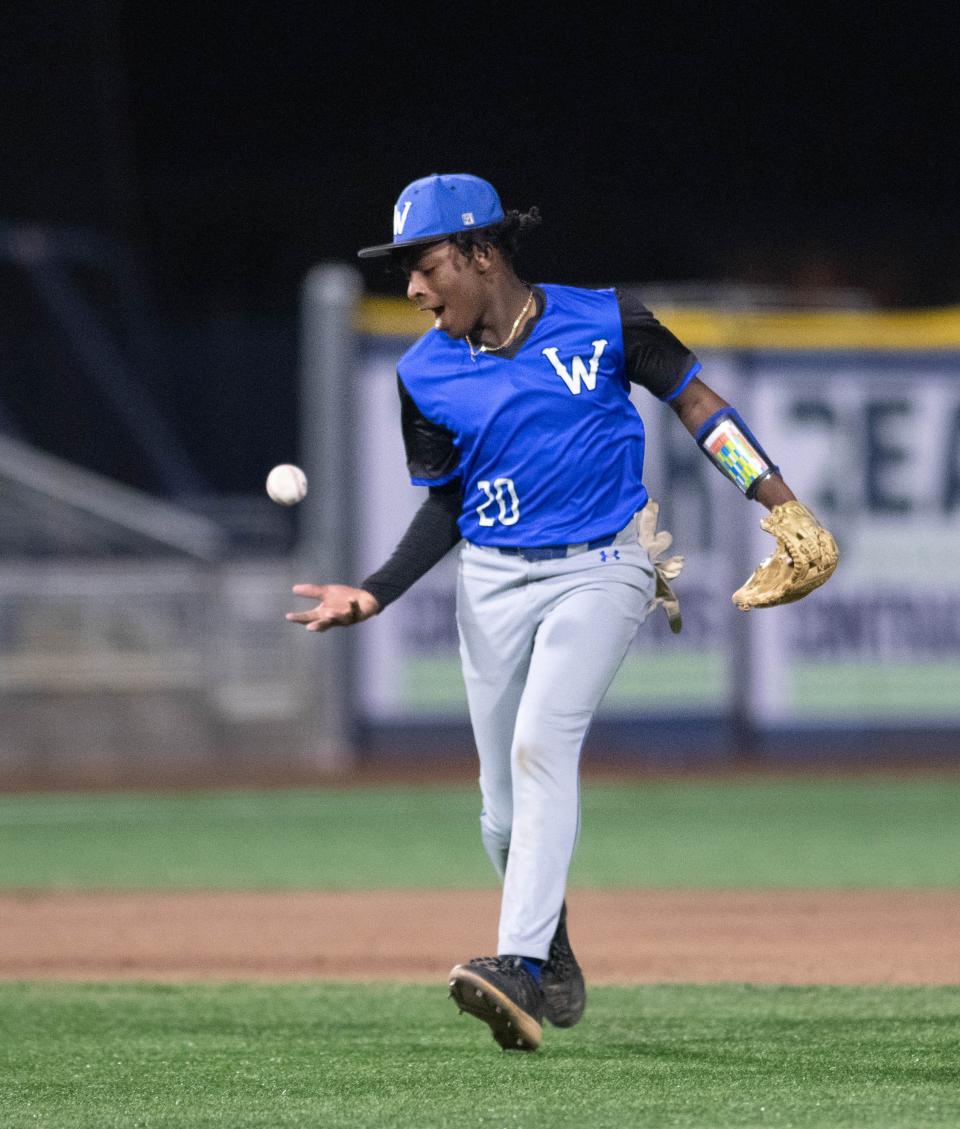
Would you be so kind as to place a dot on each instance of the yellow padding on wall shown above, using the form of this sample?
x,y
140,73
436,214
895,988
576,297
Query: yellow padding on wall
x,y
701,328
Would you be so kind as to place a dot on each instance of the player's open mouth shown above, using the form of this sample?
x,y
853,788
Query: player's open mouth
x,y
437,312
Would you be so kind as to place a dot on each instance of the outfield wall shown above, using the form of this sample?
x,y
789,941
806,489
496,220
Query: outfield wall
x,y
143,671
862,410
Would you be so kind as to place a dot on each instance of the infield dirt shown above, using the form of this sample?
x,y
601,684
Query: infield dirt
x,y
622,936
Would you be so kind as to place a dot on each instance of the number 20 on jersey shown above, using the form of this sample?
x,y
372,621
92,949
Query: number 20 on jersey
x,y
502,494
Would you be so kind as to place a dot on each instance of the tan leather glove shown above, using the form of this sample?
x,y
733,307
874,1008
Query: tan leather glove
x,y
806,557
656,545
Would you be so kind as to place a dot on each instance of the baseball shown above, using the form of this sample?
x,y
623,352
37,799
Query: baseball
x,y
287,484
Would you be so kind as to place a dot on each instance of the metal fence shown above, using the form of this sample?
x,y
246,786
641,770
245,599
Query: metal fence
x,y
141,672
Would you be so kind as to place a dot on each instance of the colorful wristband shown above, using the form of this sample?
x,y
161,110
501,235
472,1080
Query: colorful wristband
x,y
733,448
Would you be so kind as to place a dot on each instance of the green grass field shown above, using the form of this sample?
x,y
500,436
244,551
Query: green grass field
x,y
760,833
328,1055
104,1057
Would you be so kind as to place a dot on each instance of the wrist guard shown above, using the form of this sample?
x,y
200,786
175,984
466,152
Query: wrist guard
x,y
734,450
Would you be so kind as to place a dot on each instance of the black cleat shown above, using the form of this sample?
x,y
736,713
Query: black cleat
x,y
564,993
501,992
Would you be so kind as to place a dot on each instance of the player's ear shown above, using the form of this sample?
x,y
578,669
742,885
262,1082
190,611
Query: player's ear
x,y
483,255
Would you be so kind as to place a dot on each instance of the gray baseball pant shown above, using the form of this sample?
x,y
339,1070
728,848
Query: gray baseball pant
x,y
540,643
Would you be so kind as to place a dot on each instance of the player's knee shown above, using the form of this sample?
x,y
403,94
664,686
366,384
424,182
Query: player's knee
x,y
531,754
548,742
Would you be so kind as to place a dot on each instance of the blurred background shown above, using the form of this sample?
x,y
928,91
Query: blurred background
x,y
182,194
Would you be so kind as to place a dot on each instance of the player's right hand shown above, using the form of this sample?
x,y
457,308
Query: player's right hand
x,y
338,605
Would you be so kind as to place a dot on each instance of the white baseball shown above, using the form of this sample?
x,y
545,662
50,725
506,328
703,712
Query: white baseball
x,y
287,484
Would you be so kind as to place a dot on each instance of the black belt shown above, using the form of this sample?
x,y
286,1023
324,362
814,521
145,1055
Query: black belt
x,y
552,552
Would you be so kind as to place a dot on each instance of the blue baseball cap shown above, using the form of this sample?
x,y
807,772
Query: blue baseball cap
x,y
436,207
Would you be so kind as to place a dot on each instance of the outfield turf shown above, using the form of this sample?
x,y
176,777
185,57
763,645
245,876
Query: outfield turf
x,y
760,833
329,1055
99,1057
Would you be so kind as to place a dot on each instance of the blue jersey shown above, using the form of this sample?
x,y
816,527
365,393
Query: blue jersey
x,y
546,443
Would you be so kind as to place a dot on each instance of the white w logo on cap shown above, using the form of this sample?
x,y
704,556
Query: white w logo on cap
x,y
400,218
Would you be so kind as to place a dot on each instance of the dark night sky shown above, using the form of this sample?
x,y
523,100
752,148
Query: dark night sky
x,y
230,146
237,143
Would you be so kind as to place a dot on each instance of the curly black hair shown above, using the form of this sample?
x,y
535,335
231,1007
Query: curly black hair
x,y
505,235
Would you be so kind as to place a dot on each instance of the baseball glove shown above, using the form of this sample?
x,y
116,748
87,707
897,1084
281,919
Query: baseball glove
x,y
805,558
656,545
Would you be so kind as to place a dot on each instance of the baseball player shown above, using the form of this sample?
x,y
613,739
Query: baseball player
x,y
516,415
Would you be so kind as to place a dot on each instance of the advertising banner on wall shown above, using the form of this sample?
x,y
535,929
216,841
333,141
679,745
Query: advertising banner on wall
x,y
873,445
870,440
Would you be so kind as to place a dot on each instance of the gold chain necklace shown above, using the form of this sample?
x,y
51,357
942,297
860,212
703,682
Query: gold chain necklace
x,y
510,336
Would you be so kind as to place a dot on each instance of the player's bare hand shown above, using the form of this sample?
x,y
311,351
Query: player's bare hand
x,y
338,605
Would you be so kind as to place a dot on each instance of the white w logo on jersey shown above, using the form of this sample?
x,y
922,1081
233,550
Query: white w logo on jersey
x,y
581,374
400,218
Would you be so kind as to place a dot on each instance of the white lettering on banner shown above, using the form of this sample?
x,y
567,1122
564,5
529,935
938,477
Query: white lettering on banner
x,y
581,374
400,218
506,516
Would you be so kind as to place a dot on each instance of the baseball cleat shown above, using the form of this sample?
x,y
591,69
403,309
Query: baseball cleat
x,y
564,992
501,992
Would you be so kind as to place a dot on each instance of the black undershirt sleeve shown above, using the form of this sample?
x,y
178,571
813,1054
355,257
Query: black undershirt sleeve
x,y
654,357
432,533
432,455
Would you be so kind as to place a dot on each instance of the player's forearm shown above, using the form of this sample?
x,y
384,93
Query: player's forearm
x,y
695,406
430,536
773,491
